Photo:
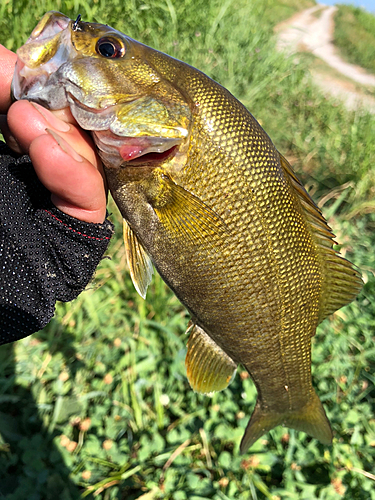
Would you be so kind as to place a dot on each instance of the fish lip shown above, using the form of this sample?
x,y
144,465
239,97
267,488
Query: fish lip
x,y
56,22
77,106
32,73
71,97
22,85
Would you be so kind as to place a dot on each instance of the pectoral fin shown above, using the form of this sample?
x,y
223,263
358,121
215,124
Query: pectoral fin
x,y
208,367
139,263
182,213
310,419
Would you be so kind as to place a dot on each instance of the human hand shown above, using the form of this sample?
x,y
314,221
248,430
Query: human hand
x,y
63,155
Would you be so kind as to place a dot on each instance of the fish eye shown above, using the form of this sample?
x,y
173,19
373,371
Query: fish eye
x,y
111,48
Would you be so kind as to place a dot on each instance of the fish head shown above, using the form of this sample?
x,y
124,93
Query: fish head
x,y
136,115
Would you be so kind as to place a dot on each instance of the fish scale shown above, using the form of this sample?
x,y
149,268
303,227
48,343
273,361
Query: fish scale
x,y
263,182
209,201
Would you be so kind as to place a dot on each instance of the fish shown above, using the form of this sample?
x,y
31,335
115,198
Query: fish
x,y
209,202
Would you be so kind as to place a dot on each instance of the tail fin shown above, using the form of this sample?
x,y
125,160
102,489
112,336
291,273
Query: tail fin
x,y
310,419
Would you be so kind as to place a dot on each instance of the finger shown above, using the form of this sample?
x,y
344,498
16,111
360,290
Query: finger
x,y
7,62
77,187
27,121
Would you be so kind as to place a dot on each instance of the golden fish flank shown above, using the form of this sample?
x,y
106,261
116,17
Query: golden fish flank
x,y
208,200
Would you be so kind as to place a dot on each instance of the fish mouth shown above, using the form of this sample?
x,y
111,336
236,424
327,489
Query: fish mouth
x,y
153,157
117,151
116,141
42,55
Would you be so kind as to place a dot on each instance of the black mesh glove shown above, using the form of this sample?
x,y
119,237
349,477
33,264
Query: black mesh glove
x,y
45,255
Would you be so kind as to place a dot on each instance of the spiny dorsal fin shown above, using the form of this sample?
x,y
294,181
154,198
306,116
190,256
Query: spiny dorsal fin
x,y
341,281
208,367
187,215
139,263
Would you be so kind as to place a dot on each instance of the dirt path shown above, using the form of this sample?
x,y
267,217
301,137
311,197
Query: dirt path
x,y
312,30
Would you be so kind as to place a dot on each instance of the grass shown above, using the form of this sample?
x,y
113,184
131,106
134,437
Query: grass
x,y
97,404
355,35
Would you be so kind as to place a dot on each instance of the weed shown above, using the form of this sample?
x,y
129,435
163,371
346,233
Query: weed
x,y
355,35
98,404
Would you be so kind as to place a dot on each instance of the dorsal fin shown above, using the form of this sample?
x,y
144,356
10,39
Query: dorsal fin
x,y
139,263
341,280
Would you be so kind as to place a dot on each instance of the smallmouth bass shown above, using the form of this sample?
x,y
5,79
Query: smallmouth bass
x,y
208,200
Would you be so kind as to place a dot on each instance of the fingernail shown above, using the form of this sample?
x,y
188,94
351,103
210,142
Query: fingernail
x,y
13,144
51,119
65,146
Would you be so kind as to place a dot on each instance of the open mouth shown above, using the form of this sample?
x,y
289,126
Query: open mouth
x,y
119,151
153,157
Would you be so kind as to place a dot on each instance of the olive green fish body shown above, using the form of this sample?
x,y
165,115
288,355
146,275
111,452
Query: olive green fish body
x,y
208,200
255,288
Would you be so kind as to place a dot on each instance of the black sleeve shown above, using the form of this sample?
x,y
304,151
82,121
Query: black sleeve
x,y
45,255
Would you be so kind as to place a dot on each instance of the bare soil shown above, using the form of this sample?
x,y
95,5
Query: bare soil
x,y
312,31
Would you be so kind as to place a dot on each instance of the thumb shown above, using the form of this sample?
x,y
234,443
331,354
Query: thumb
x,y
7,62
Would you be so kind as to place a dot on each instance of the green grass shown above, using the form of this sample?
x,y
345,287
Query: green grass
x,y
355,35
118,361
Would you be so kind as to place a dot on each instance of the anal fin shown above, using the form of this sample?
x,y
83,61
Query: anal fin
x,y
139,262
208,367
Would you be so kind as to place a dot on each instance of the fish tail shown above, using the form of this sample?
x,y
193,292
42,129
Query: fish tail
x,y
261,421
311,419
